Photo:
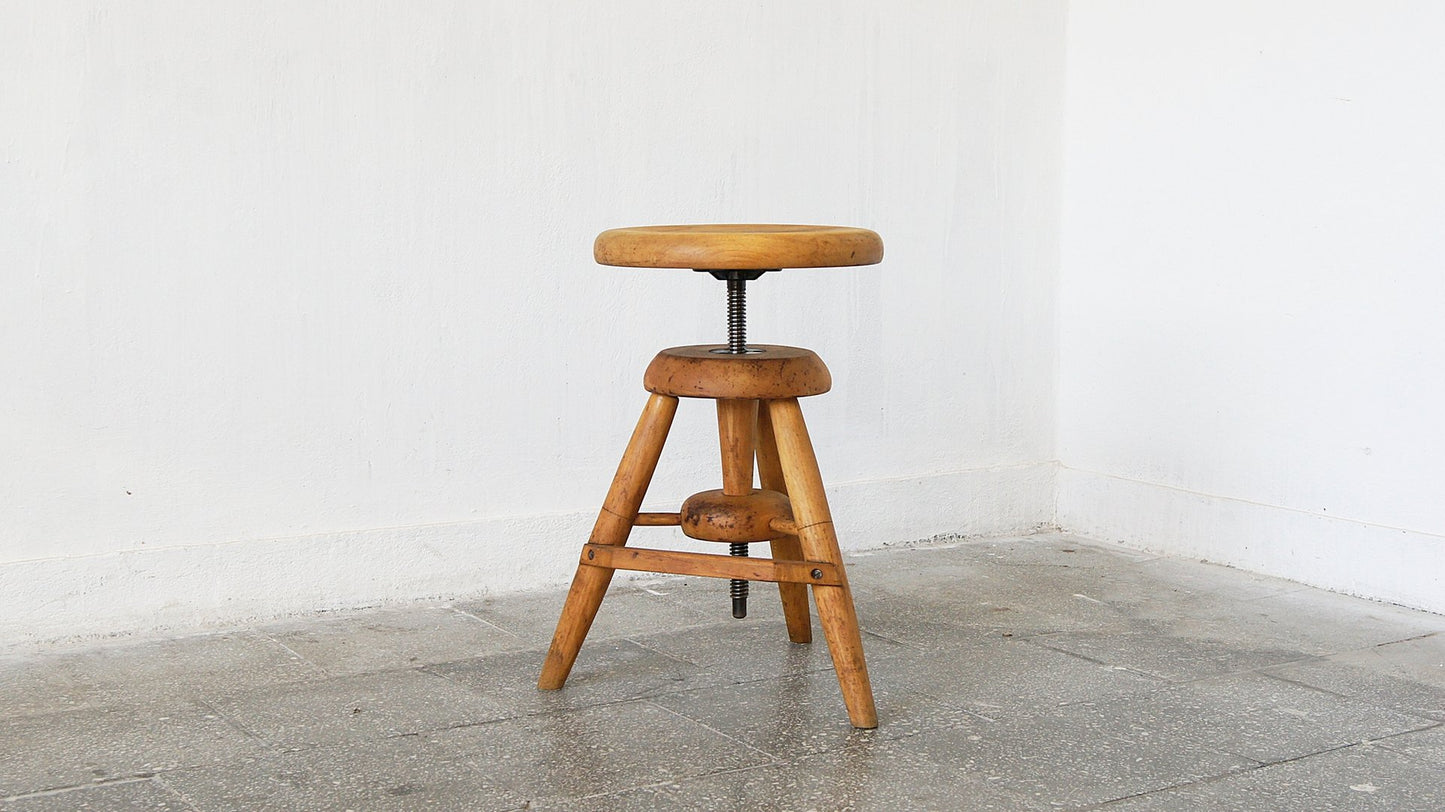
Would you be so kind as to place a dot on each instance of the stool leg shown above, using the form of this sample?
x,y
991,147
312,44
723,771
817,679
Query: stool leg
x,y
785,548
820,543
614,524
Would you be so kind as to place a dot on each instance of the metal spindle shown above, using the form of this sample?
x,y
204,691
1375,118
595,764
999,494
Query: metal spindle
x,y
738,345
737,315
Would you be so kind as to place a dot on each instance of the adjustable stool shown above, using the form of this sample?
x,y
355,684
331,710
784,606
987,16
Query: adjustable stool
x,y
757,388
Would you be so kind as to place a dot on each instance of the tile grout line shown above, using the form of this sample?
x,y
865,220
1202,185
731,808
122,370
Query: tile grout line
x,y
484,621
1258,765
772,758
185,799
1263,672
293,652
266,743
1385,743
1183,784
103,782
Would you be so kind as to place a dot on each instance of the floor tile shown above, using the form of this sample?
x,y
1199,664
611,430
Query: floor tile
x,y
1408,676
1250,715
1068,757
1319,623
150,672
744,652
906,569
625,611
401,773
356,708
1212,579
1359,777
928,618
594,750
1009,675
78,747
1172,654
868,774
791,716
382,639
119,796
1425,745
605,671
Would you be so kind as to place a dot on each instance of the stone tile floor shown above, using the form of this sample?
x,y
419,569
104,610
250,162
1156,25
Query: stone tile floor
x,y
1024,673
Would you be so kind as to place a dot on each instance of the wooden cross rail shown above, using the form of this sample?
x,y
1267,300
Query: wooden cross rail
x,y
657,520
706,565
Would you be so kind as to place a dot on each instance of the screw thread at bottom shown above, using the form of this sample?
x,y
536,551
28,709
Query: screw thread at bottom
x,y
737,587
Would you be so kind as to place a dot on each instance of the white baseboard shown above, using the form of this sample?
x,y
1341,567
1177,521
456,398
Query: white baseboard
x,y
1382,563
216,585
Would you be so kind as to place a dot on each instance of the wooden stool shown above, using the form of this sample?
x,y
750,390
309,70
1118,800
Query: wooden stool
x,y
757,389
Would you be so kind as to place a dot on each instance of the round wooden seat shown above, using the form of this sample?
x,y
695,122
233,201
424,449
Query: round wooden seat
x,y
766,372
737,247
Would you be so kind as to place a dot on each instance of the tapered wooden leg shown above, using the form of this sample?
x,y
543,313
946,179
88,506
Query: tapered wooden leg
x,y
820,543
785,548
614,524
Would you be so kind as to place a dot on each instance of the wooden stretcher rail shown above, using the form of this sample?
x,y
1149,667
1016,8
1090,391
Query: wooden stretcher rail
x,y
657,520
711,566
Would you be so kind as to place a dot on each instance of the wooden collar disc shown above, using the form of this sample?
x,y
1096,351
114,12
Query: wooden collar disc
x,y
773,372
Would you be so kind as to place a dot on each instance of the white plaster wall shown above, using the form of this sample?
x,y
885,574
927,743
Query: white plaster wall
x,y
1252,363
297,309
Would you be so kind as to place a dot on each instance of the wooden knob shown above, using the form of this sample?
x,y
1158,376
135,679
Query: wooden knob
x,y
715,516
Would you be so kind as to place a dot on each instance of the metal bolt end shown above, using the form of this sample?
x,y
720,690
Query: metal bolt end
x,y
817,575
591,554
737,587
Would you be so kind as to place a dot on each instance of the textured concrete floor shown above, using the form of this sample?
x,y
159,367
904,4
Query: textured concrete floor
x,y
1042,672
